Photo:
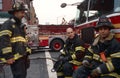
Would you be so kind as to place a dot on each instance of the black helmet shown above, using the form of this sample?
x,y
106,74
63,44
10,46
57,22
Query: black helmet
x,y
104,22
17,7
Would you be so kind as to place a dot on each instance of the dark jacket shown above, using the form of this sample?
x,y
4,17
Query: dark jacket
x,y
111,49
12,40
74,48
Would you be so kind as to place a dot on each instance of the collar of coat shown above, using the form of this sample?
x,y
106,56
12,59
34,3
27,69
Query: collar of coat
x,y
15,20
97,39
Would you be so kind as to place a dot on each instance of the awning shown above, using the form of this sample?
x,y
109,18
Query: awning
x,y
4,15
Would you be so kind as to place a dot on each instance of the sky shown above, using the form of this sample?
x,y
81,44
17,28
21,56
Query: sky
x,y
50,12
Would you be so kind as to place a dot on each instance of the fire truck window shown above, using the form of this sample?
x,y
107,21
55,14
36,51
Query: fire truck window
x,y
116,5
104,6
96,9
99,7
77,17
80,17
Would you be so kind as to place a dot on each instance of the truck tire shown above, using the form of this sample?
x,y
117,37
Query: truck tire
x,y
56,45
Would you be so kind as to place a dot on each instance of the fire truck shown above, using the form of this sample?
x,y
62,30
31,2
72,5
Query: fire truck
x,y
47,36
88,12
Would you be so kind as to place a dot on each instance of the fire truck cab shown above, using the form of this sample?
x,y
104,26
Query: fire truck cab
x,y
88,13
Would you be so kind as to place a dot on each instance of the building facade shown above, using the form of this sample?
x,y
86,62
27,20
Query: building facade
x,y
6,5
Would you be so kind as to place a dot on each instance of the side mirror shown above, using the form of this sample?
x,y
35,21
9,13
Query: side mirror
x,y
63,5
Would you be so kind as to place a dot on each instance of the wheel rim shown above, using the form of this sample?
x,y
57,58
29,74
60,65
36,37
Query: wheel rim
x,y
57,46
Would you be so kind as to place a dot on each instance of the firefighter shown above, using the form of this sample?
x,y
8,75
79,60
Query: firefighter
x,y
71,55
102,59
13,45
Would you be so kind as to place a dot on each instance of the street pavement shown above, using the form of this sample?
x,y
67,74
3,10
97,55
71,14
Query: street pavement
x,y
40,67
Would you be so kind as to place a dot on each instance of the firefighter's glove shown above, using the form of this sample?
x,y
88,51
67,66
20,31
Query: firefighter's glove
x,y
95,73
86,63
58,65
65,59
28,50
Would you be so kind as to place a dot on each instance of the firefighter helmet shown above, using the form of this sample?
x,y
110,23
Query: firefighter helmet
x,y
17,7
104,22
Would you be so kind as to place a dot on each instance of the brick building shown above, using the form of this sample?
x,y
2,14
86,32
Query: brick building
x,y
6,5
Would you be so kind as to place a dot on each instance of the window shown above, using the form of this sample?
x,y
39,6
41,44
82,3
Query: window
x,y
116,5
1,5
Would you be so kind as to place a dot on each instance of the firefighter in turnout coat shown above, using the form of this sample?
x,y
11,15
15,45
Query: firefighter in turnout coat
x,y
13,45
71,55
102,59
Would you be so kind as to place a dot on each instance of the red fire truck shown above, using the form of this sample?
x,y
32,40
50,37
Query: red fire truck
x,y
88,12
47,36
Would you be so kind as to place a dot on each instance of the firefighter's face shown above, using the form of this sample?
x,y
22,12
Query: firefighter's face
x,y
70,33
104,32
20,14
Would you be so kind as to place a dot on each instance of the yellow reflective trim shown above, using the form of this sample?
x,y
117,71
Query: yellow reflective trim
x,y
80,48
28,50
63,52
111,74
73,56
3,60
13,26
75,62
96,57
109,58
86,56
115,55
16,56
7,50
90,50
110,66
60,74
6,32
18,39
64,45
